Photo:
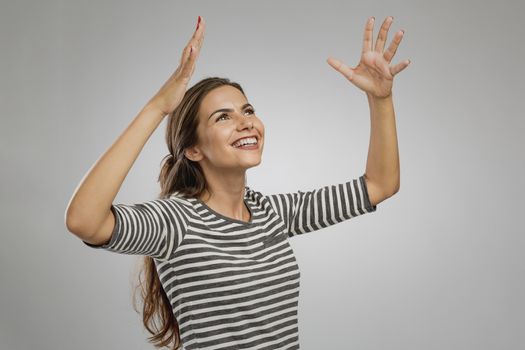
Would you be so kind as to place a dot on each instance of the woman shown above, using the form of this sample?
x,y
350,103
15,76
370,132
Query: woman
x,y
219,271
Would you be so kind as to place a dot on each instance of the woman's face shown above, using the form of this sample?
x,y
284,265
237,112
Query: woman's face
x,y
219,129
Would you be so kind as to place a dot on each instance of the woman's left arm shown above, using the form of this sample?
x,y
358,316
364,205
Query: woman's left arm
x,y
382,164
375,75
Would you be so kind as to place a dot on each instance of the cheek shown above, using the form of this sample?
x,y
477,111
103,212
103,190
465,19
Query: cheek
x,y
260,126
220,138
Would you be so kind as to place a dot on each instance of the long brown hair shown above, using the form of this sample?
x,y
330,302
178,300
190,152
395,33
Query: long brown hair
x,y
177,174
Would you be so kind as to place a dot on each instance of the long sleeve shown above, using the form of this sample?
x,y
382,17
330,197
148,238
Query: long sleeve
x,y
155,228
312,210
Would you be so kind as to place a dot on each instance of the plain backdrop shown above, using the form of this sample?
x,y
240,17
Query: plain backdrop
x,y
440,265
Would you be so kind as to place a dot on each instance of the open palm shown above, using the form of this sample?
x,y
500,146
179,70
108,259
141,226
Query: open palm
x,y
374,74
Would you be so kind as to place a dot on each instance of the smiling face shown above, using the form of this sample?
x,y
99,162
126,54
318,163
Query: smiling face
x,y
225,116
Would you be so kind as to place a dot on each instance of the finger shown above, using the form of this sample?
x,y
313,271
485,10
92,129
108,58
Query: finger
x,y
367,40
399,67
189,55
391,51
383,32
342,68
198,35
195,40
196,31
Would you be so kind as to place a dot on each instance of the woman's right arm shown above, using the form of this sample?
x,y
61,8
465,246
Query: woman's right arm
x,y
88,214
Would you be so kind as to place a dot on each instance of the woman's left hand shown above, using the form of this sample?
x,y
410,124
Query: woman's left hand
x,y
374,74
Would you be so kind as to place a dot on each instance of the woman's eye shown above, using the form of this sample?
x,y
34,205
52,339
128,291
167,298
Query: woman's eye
x,y
249,110
220,117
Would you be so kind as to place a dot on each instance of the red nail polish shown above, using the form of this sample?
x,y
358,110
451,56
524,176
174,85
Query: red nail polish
x,y
198,22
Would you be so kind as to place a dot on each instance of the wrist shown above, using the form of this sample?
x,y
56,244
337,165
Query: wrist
x,y
379,98
153,111
152,108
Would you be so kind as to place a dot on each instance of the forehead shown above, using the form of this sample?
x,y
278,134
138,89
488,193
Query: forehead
x,y
225,96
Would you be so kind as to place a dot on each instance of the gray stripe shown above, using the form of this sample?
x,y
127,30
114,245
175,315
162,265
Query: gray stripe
x,y
233,284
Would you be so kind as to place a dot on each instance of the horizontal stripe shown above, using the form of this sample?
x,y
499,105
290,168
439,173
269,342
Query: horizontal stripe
x,y
231,283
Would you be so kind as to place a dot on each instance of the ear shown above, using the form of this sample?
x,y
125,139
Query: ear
x,y
193,153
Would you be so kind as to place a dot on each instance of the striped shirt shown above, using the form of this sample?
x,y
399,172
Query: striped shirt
x,y
233,284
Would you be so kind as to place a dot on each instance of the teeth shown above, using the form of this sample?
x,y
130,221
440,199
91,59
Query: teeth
x,y
248,140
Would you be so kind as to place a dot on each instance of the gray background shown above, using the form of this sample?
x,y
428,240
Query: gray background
x,y
439,266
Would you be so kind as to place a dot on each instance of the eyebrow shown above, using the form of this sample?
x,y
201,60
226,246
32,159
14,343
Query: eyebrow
x,y
229,109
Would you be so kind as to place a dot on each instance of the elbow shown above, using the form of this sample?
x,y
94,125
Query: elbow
x,y
71,223
68,220
394,190
75,225
390,191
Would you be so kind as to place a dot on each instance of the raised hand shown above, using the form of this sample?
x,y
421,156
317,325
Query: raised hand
x,y
374,74
173,90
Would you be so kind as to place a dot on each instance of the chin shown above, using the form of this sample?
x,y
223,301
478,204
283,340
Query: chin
x,y
253,163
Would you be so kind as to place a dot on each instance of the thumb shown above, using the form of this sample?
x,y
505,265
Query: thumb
x,y
341,67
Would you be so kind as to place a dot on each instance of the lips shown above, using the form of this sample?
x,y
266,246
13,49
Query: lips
x,y
245,137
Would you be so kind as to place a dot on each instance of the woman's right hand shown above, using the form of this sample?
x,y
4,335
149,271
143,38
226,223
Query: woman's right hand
x,y
173,90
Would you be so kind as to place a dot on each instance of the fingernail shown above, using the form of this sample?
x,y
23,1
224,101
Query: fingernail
x,y
198,22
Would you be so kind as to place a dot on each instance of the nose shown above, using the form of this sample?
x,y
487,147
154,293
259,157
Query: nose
x,y
245,123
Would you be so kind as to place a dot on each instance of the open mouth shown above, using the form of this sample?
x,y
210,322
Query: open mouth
x,y
251,142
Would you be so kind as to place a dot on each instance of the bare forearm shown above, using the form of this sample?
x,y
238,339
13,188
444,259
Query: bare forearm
x,y
382,166
93,197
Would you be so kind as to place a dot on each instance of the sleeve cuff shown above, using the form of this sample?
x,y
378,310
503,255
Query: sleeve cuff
x,y
114,234
368,206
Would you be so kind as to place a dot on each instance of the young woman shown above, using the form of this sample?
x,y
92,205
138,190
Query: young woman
x,y
219,272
